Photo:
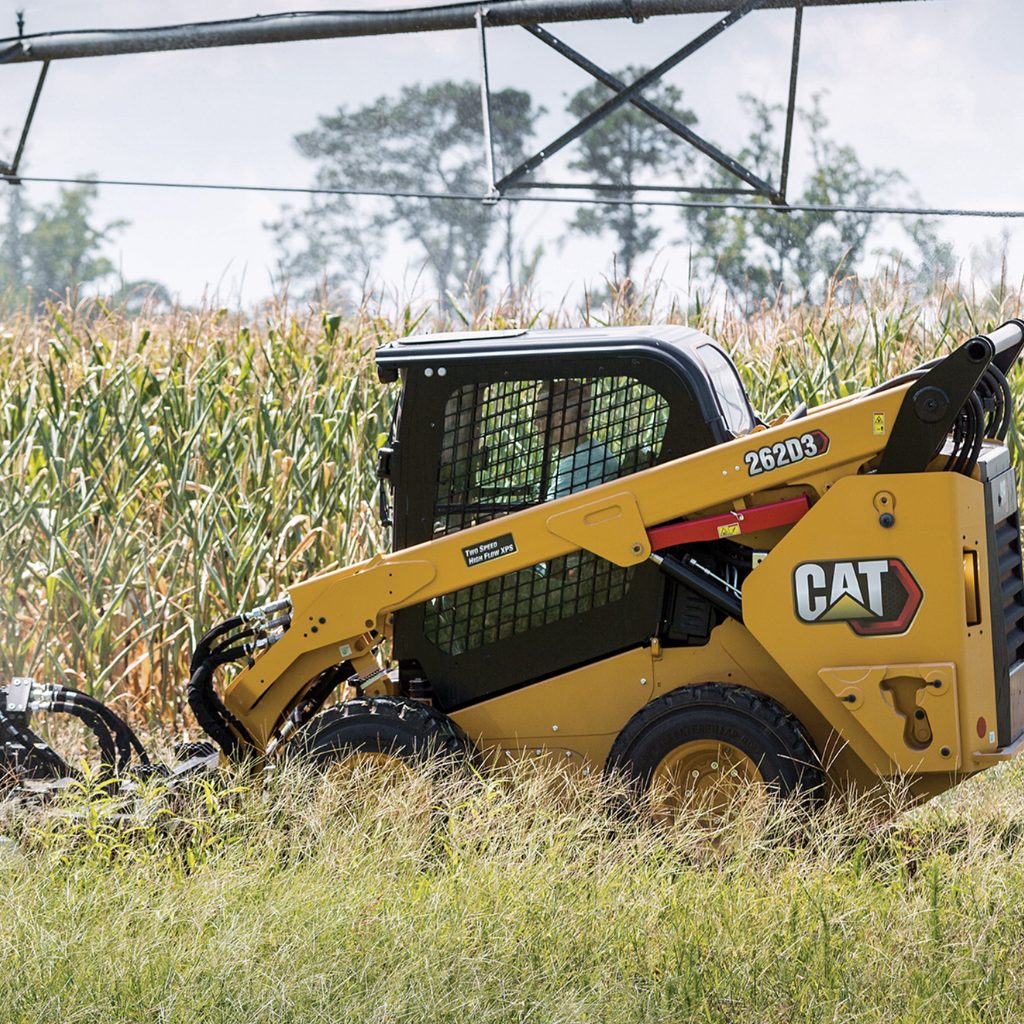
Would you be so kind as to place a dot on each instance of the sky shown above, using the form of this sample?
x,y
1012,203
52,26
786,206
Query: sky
x,y
929,87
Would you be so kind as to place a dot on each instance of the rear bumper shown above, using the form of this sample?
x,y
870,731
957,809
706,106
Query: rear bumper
x,y
991,757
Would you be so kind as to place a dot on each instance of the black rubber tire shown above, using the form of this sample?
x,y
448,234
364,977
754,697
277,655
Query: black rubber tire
x,y
407,729
755,724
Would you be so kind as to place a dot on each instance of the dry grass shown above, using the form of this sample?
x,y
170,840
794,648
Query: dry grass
x,y
522,897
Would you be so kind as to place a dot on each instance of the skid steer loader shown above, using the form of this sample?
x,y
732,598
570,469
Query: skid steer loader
x,y
601,554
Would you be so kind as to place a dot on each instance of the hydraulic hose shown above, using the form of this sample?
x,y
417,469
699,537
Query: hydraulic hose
x,y
124,736
15,732
1003,400
978,422
211,714
111,757
203,648
224,643
211,719
117,740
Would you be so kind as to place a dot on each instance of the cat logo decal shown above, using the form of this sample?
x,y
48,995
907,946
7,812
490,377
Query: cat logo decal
x,y
876,596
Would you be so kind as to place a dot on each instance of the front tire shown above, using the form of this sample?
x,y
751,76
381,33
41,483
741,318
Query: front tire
x,y
382,728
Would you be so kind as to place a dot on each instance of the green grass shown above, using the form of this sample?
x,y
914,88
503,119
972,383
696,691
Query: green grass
x,y
511,899
158,473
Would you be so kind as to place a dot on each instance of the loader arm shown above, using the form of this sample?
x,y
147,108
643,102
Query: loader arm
x,y
342,617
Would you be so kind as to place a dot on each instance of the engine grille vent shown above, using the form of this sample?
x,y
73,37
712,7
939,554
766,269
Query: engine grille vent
x,y
1011,586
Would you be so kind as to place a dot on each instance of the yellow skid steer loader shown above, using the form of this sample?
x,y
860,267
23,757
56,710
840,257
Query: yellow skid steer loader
x,y
600,553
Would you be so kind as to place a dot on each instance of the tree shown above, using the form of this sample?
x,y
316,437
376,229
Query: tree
x,y
327,239
989,260
930,262
512,117
758,253
628,148
54,247
140,295
13,255
936,256
427,140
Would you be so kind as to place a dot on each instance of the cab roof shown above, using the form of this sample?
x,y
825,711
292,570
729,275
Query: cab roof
x,y
671,344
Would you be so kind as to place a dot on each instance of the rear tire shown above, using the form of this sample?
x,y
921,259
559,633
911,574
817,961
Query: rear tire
x,y
708,743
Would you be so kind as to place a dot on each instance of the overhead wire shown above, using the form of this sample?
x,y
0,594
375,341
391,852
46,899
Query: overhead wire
x,y
823,208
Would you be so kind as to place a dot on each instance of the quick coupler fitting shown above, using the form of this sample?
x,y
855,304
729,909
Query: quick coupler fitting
x,y
266,610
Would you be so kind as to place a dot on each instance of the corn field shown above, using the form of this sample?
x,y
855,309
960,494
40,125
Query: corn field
x,y
157,473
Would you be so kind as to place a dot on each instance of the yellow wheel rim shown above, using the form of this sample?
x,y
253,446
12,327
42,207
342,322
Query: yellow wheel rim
x,y
702,775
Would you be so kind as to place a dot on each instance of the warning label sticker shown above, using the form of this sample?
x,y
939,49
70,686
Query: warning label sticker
x,y
488,550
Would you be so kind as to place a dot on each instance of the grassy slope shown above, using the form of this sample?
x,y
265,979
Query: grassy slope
x,y
336,902
159,473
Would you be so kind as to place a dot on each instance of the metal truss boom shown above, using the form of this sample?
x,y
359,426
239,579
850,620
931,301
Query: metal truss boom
x,y
670,121
9,171
629,92
295,26
480,16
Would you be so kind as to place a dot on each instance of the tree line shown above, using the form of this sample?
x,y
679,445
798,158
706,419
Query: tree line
x,y
428,139
48,249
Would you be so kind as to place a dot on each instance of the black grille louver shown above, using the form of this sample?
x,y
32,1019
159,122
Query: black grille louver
x,y
1011,586
1006,600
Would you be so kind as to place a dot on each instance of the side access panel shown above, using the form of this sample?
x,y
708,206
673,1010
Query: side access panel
x,y
880,625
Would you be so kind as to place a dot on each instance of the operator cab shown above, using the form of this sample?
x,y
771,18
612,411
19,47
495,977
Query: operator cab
x,y
490,423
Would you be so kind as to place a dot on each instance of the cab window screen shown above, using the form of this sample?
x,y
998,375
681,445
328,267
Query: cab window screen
x,y
513,444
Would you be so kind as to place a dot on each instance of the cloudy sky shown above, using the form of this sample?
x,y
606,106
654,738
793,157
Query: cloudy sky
x,y
931,87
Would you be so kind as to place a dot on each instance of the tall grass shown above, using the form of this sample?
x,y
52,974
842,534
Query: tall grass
x,y
159,472
516,898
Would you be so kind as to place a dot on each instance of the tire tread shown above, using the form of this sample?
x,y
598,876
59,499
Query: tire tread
x,y
434,732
